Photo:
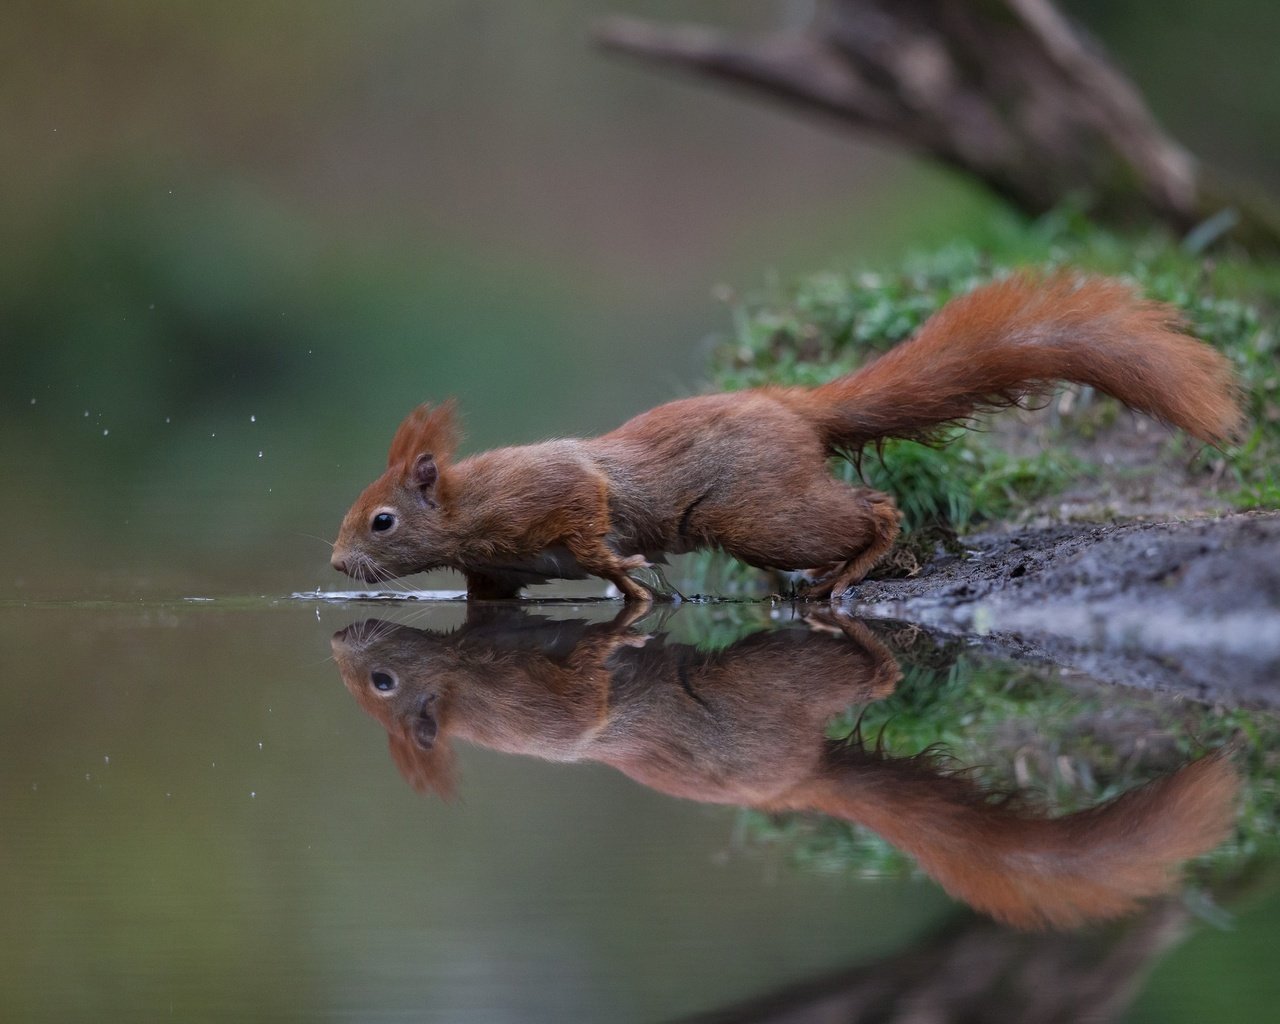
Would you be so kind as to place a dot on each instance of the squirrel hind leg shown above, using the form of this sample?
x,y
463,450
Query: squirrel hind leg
x,y
831,532
833,582
836,586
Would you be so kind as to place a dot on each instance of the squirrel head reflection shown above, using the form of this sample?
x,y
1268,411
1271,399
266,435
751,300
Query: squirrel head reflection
x,y
745,725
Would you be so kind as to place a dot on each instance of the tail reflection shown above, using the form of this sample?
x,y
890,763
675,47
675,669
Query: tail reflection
x,y
746,726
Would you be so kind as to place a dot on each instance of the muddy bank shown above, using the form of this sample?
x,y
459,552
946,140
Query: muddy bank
x,y
1192,604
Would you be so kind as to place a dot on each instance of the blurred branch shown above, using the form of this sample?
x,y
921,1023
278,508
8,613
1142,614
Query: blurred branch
x,y
1008,91
978,972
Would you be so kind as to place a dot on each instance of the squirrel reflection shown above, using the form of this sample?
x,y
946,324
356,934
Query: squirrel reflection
x,y
746,726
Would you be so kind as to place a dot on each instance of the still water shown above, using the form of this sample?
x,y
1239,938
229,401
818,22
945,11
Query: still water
x,y
305,809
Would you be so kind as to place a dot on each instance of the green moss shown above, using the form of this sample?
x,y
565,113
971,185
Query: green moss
x,y
1019,729
1024,730
832,322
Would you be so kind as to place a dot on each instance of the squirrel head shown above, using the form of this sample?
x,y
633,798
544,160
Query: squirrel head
x,y
400,525
401,677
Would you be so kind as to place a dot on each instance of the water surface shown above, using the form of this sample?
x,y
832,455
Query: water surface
x,y
201,822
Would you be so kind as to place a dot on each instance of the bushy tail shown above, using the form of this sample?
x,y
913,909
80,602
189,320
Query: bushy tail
x,y
1016,338
1021,868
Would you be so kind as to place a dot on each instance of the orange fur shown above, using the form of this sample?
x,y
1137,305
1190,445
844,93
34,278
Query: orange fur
x,y
1021,868
425,430
1017,337
747,472
746,726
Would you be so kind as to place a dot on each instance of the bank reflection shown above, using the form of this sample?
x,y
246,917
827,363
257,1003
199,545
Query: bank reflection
x,y
746,725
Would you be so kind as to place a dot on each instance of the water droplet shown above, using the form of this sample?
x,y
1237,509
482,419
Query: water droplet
x,y
259,454
33,401
252,794
253,419
86,412
105,433
213,435
106,759
87,776
166,419
259,744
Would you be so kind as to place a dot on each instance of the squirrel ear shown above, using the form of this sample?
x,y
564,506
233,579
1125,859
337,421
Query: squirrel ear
x,y
425,429
424,472
427,771
424,729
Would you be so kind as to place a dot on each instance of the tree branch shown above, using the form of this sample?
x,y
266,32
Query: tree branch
x,y
1008,91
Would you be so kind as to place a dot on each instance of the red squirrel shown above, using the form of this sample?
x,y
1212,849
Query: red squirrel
x,y
747,472
746,726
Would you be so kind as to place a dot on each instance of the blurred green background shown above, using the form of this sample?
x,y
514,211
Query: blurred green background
x,y
242,240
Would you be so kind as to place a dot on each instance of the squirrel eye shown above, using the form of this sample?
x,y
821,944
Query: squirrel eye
x,y
383,681
383,521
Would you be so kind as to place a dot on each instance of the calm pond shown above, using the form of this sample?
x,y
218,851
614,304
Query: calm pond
x,y
226,809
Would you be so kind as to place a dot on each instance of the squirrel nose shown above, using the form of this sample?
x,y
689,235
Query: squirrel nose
x,y
339,562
